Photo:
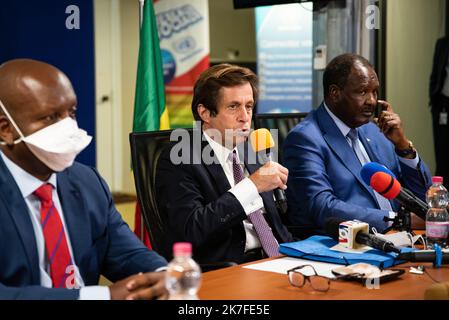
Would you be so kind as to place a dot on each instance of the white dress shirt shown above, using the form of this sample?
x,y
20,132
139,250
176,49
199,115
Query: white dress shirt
x,y
245,191
27,185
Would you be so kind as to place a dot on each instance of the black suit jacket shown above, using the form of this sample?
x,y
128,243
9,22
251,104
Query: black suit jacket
x,y
194,200
438,74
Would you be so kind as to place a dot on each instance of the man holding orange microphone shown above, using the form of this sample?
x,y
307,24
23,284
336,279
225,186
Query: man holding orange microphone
x,y
222,200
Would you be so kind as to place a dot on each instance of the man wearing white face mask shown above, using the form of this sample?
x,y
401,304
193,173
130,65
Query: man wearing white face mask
x,y
59,228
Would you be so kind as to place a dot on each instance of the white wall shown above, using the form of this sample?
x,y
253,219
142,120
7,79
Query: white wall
x,y
413,27
129,14
108,91
116,49
230,31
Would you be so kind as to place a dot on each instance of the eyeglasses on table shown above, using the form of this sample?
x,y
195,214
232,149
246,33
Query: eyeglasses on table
x,y
298,277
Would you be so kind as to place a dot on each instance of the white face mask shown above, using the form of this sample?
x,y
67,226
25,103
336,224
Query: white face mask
x,y
56,145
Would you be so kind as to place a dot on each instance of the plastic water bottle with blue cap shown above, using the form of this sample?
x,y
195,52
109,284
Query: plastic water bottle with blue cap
x,y
437,218
183,276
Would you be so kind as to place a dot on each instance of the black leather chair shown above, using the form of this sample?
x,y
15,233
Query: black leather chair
x,y
146,148
283,122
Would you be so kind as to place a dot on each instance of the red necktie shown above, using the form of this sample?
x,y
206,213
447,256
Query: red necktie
x,y
55,239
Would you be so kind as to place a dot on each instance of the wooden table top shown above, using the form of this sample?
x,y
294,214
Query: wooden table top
x,y
238,283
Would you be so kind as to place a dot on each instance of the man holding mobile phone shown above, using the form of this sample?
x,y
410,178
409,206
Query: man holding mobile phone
x,y
325,152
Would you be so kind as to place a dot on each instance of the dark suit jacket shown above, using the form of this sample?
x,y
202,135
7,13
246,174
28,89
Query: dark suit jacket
x,y
324,173
102,242
438,75
198,208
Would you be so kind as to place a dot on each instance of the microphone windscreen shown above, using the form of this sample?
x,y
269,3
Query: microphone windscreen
x,y
385,185
261,139
371,168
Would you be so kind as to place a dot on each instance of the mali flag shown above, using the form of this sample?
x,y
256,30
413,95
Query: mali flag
x,y
150,112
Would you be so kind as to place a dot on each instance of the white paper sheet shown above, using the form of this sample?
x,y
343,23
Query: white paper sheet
x,y
283,264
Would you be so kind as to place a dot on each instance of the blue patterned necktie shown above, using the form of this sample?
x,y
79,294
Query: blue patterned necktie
x,y
263,230
353,135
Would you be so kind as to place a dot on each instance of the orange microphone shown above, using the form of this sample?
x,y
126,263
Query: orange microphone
x,y
261,140
390,188
385,185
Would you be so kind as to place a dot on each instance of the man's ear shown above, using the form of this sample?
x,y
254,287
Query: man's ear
x,y
6,130
204,113
334,93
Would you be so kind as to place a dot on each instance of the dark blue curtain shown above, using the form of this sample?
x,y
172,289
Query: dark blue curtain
x,y
36,29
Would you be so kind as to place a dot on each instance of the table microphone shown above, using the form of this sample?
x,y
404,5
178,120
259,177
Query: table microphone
x,y
370,168
423,256
390,188
354,234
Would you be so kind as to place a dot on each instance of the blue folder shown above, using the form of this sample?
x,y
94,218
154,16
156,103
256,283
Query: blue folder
x,y
318,248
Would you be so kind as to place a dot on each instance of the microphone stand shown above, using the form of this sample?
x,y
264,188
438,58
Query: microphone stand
x,y
402,221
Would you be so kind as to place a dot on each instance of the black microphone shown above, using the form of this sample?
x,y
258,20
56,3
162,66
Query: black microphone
x,y
349,232
390,188
423,256
281,200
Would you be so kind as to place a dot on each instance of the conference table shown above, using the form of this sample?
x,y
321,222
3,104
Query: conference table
x,y
239,283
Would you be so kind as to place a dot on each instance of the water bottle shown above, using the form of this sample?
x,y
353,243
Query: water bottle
x,y
183,276
437,218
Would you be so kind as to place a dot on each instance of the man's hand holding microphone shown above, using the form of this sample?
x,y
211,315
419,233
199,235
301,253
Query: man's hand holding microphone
x,y
271,175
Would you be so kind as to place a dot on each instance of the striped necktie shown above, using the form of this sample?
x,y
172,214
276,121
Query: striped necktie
x,y
55,238
263,230
353,135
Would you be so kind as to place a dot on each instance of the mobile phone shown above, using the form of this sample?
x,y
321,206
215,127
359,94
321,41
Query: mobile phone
x,y
362,271
377,110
